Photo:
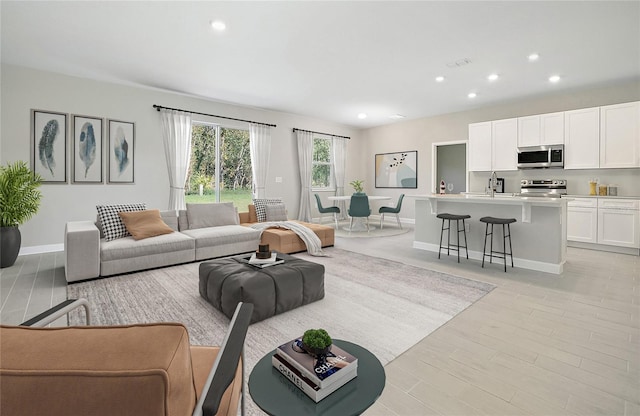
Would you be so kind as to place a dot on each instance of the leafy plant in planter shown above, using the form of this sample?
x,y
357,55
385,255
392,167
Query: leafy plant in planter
x,y
316,341
357,185
19,201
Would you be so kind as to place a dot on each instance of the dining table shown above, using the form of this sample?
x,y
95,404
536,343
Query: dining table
x,y
358,223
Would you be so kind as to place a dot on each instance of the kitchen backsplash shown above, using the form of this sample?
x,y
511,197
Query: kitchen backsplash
x,y
627,180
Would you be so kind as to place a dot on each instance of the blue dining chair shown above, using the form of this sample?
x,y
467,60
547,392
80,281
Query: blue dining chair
x,y
391,210
359,207
327,210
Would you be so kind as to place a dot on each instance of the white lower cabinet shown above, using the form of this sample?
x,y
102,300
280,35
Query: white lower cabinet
x,y
613,222
618,223
582,220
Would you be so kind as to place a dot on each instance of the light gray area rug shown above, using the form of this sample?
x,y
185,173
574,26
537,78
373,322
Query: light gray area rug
x,y
385,306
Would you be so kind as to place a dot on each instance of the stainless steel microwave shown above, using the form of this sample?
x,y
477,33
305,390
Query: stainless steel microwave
x,y
532,157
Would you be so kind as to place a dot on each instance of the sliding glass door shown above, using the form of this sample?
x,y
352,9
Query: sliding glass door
x,y
220,169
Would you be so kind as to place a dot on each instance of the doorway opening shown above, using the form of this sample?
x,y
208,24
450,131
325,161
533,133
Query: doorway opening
x,y
449,164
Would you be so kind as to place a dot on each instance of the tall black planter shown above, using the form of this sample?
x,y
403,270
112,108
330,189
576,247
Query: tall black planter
x,y
10,240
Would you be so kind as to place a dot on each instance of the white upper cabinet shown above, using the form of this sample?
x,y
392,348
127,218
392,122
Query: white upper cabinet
x,y
620,135
480,146
582,138
504,138
542,129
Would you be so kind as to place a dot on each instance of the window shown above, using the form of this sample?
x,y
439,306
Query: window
x,y
220,169
322,173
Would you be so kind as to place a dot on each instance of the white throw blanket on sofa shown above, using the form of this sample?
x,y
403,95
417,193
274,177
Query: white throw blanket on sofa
x,y
311,240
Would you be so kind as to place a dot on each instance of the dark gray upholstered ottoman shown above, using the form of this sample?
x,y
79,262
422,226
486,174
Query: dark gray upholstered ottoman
x,y
272,290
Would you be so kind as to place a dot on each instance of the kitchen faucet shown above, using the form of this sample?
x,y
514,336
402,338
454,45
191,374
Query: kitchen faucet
x,y
493,183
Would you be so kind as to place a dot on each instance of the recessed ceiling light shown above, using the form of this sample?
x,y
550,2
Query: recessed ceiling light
x,y
218,25
492,77
439,79
362,116
554,78
472,95
534,57
397,117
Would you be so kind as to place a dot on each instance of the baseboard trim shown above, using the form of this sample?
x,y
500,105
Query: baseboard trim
x,y
49,248
603,247
517,262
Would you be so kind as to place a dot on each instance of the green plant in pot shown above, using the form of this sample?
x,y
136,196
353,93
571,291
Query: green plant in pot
x,y
358,185
19,201
316,341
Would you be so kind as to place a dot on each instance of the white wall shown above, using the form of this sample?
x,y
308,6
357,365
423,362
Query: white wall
x,y
25,89
421,133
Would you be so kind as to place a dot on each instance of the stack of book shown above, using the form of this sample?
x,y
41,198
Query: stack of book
x,y
271,261
316,376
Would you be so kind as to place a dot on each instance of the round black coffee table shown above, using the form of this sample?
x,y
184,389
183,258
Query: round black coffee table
x,y
278,396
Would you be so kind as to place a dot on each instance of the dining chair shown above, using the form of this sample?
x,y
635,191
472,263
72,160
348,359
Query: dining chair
x,y
327,210
391,210
359,208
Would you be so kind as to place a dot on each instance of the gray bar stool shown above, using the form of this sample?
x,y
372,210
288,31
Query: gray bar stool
x,y
457,218
497,221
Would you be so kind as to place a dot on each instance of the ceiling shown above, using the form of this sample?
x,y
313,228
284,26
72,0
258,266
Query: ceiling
x,y
332,60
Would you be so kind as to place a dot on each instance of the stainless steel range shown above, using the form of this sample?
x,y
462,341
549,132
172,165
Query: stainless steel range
x,y
549,188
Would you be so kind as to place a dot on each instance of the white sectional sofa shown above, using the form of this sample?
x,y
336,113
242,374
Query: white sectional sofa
x,y
88,255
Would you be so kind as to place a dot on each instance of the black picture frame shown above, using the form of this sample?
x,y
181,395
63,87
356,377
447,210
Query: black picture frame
x,y
87,149
121,152
49,145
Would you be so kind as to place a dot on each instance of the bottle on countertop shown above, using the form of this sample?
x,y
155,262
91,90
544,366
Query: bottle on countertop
x,y
443,187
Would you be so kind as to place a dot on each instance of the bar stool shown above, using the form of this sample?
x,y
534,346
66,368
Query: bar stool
x,y
448,217
497,221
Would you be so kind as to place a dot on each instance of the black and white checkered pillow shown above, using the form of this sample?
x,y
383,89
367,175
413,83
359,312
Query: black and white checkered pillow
x,y
261,206
112,225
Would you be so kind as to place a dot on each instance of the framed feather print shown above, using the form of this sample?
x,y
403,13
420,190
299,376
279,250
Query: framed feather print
x,y
87,149
121,151
49,145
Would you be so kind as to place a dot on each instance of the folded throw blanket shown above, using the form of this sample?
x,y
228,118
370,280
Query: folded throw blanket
x,y
310,239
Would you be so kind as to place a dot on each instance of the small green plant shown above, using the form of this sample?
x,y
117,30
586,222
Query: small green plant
x,y
19,194
357,185
316,338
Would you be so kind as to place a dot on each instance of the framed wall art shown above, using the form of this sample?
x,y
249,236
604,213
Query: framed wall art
x,y
121,150
397,170
87,149
49,145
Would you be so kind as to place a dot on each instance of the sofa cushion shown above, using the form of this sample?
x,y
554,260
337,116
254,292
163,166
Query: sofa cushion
x,y
276,212
211,215
261,203
127,247
110,222
144,224
140,369
225,234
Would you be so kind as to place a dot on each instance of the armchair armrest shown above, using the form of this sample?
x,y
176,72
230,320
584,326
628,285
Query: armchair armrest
x,y
224,367
81,250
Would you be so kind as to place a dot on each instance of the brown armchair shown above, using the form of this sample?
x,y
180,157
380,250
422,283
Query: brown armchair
x,y
145,369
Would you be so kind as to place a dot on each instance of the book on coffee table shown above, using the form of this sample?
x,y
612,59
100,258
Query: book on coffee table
x,y
261,263
305,384
321,370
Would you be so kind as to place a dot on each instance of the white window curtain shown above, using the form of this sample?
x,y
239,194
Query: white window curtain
x,y
339,166
260,146
305,162
176,134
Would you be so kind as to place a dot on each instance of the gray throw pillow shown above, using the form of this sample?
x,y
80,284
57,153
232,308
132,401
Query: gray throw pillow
x,y
276,212
211,215
261,206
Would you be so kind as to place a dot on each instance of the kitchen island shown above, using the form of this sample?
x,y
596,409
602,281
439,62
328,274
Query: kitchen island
x,y
539,236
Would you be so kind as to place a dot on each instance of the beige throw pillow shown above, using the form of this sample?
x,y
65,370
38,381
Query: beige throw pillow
x,y
211,215
276,212
144,224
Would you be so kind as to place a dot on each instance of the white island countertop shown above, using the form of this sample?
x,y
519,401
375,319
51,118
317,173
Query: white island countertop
x,y
497,199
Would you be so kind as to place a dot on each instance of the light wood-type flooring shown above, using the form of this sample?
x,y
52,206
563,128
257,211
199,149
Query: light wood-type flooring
x,y
539,344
